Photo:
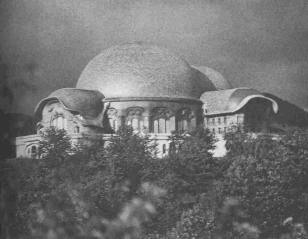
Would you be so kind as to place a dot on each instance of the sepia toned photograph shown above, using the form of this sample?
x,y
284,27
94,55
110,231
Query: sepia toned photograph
x,y
153,119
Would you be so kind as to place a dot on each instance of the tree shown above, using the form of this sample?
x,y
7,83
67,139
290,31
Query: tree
x,y
68,188
269,177
189,175
193,162
55,144
130,157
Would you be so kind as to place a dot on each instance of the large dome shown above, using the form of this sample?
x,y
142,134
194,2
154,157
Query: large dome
x,y
141,70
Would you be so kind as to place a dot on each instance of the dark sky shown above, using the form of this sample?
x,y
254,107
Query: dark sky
x,y
45,44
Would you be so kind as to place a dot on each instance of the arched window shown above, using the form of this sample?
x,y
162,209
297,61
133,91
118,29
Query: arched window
x,y
112,116
59,122
163,120
32,151
134,118
185,120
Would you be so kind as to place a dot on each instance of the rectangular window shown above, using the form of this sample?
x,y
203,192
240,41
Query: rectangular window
x,y
219,120
135,124
213,121
171,124
219,130
161,126
225,119
168,126
156,126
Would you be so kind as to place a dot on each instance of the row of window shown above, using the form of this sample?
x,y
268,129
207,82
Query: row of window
x,y
223,120
160,125
161,121
219,120
223,130
219,130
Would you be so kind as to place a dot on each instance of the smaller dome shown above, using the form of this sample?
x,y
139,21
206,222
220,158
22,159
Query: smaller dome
x,y
215,77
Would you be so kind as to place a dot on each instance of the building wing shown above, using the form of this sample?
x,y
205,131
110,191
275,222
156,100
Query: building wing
x,y
231,100
87,103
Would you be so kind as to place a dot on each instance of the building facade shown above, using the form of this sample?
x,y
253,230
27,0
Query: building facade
x,y
154,91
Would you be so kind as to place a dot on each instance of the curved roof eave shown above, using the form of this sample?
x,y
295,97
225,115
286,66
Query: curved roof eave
x,y
246,99
231,100
39,107
88,103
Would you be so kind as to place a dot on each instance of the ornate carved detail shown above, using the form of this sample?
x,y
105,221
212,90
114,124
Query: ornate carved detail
x,y
135,112
112,113
185,113
161,112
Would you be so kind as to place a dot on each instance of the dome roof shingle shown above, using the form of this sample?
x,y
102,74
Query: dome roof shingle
x,y
141,70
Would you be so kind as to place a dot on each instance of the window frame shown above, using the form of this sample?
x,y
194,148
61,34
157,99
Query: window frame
x,y
162,120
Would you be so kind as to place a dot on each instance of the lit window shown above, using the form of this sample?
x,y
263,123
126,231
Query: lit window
x,y
163,120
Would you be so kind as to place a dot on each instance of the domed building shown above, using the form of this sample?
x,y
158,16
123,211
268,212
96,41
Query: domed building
x,y
147,87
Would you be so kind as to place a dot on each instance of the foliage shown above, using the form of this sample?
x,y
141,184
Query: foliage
x,y
130,155
68,187
269,176
188,174
113,189
55,144
193,163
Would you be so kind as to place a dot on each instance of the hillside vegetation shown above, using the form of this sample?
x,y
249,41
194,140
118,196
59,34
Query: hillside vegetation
x,y
120,189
